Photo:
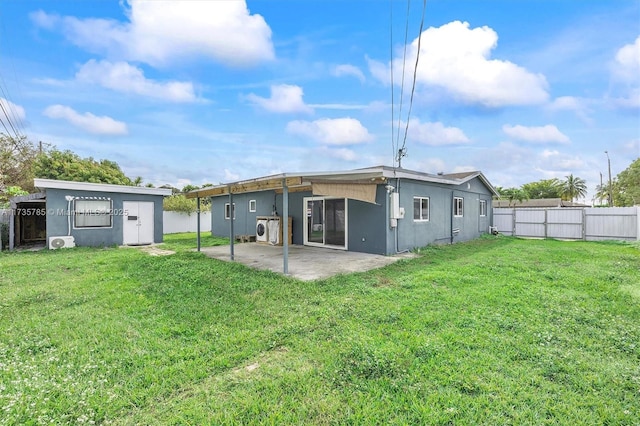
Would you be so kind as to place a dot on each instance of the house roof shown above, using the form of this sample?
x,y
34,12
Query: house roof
x,y
537,203
98,187
369,175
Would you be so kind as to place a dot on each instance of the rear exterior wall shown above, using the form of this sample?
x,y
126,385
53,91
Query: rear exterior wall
x,y
438,229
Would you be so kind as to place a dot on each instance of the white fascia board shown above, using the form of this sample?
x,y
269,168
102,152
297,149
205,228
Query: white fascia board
x,y
98,187
404,174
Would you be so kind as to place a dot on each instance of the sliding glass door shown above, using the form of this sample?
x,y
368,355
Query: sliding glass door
x,y
326,222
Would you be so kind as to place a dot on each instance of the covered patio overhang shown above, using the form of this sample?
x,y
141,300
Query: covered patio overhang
x,y
356,184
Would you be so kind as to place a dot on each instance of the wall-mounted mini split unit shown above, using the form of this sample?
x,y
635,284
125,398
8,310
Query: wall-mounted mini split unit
x,y
65,241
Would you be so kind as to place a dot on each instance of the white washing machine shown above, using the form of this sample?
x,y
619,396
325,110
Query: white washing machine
x,y
262,231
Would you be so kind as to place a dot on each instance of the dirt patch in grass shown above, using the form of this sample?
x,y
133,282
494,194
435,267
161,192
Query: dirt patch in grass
x,y
155,251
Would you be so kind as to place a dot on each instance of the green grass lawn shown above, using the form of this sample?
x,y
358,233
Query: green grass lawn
x,y
495,331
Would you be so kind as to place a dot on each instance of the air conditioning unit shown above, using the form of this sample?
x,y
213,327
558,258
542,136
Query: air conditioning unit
x,y
66,241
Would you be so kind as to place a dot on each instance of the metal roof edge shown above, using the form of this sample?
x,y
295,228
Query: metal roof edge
x,y
98,187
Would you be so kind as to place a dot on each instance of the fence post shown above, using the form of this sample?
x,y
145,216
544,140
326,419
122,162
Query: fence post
x,y
584,224
638,226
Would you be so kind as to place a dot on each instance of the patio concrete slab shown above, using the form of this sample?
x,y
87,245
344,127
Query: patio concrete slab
x,y
305,263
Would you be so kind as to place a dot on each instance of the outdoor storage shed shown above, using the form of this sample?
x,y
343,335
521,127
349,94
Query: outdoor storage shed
x,y
67,214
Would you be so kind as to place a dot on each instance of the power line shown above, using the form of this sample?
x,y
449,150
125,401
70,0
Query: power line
x,y
404,62
402,151
393,145
15,132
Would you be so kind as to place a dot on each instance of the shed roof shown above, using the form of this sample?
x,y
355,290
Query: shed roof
x,y
370,175
98,187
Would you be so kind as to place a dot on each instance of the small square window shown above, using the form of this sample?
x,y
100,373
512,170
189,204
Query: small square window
x,y
227,211
252,206
421,209
458,206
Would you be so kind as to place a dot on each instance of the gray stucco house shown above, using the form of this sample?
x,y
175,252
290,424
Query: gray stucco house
x,y
378,210
68,214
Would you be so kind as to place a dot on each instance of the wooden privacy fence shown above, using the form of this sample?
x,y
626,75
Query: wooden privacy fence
x,y
590,224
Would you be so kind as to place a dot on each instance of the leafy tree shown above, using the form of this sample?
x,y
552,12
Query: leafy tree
x,y
8,193
545,188
137,181
66,165
626,190
16,159
180,203
574,187
513,195
189,187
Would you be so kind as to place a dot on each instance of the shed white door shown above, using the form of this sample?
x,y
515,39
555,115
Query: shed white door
x,y
137,226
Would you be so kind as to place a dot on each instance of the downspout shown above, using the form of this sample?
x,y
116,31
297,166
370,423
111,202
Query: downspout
x,y
285,227
12,229
451,218
198,220
231,231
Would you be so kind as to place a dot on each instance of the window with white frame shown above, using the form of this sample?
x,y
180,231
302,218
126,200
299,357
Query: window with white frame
x,y
252,206
483,207
458,206
421,209
227,211
92,214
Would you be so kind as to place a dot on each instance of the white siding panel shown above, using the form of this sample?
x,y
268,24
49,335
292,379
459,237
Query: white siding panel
x,y
530,215
564,215
535,230
175,222
569,231
503,220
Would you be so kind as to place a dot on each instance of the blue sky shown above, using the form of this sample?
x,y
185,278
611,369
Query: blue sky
x,y
217,91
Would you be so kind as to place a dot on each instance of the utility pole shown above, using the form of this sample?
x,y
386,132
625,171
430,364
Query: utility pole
x,y
610,188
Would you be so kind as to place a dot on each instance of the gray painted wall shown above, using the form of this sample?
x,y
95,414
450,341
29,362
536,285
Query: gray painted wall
x,y
437,230
369,228
96,237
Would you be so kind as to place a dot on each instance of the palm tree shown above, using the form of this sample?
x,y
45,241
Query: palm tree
x,y
513,195
137,181
602,193
574,187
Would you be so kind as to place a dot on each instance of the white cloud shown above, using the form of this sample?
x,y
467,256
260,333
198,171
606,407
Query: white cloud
x,y
125,78
555,162
541,134
348,70
627,62
457,59
579,106
631,100
345,154
91,123
15,111
328,131
284,99
230,177
435,134
158,32
626,73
